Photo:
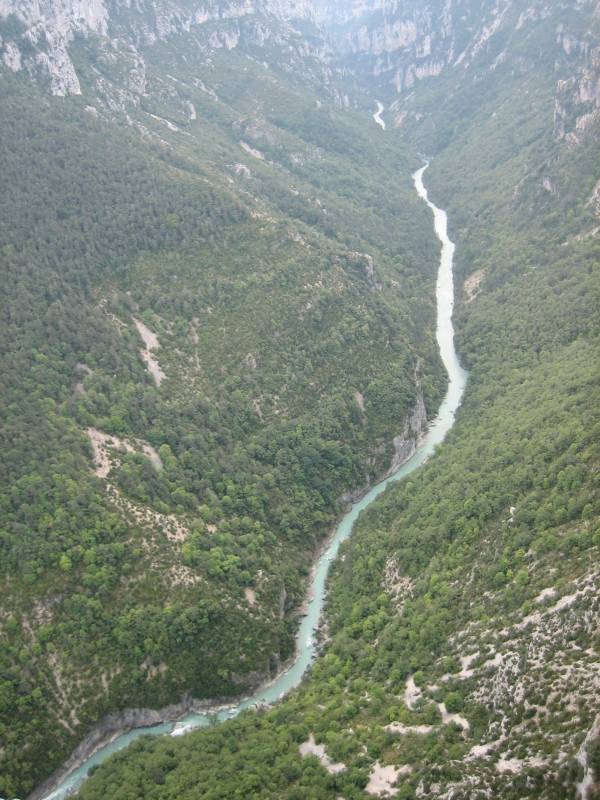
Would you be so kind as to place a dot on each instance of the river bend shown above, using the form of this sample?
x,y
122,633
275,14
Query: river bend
x,y
305,642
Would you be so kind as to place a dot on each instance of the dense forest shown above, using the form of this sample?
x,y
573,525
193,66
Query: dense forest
x,y
218,312
161,501
462,613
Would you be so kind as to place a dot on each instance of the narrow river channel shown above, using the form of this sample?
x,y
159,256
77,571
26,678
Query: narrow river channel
x,y
305,651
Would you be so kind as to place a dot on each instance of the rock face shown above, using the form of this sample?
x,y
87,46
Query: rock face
x,y
109,727
577,97
406,443
116,723
394,44
390,44
37,35
399,41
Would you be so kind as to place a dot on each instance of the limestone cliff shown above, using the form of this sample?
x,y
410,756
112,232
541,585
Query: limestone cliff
x,y
387,45
37,36
393,44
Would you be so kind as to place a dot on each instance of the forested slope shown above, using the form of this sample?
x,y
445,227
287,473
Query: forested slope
x,y
207,341
462,647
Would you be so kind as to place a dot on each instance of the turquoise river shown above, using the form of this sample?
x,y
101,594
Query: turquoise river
x,y
305,649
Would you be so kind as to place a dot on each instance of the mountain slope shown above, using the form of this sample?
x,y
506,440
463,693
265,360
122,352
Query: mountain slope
x,y
207,342
219,313
391,48
38,38
461,650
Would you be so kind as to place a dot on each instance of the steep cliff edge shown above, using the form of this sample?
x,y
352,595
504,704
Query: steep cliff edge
x,y
384,45
37,37
394,45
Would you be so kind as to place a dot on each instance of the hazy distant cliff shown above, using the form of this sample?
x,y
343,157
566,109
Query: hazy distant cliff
x,y
36,36
391,43
396,43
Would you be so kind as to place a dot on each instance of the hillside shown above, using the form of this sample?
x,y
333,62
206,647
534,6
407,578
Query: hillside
x,y
207,342
220,312
462,652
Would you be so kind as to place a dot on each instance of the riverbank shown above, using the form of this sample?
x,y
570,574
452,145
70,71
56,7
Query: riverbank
x,y
291,676
121,723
